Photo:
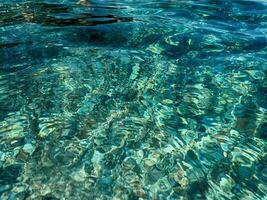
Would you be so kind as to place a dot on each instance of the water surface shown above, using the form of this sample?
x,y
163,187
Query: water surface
x,y
128,99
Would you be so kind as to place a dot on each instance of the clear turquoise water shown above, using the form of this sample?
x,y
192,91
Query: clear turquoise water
x,y
133,99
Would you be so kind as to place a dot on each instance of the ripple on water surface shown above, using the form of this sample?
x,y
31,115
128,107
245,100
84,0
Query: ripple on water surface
x,y
133,99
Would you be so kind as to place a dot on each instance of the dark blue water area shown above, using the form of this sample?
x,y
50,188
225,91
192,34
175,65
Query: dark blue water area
x,y
133,99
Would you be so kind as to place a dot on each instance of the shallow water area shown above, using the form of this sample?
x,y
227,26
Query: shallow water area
x,y
124,99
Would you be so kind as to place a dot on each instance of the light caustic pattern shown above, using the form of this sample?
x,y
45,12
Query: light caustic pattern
x,y
133,99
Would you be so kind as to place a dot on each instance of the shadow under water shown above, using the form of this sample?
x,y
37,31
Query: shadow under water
x,y
55,15
124,99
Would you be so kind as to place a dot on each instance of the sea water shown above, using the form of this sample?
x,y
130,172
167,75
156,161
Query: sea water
x,y
133,99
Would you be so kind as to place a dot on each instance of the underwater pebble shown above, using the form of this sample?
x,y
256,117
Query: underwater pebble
x,y
135,72
80,175
29,148
167,101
